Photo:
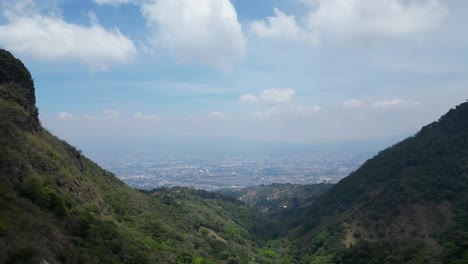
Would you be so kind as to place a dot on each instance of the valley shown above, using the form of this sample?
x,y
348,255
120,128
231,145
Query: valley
x,y
407,204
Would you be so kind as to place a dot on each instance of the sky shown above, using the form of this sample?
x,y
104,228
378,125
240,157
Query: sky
x,y
280,71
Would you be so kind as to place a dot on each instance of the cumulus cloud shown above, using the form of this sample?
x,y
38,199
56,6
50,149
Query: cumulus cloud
x,y
280,26
270,96
202,31
277,96
51,37
248,98
142,116
394,104
354,19
64,115
375,17
354,104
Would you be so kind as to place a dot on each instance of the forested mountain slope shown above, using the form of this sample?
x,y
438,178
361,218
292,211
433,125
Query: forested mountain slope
x,y
57,206
285,204
409,203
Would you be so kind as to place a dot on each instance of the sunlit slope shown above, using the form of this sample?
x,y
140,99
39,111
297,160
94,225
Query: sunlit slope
x,y
58,206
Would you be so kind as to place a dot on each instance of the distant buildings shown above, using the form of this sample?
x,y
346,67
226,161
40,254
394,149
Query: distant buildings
x,y
209,173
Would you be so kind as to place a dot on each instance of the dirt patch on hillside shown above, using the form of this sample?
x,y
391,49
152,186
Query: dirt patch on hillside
x,y
213,234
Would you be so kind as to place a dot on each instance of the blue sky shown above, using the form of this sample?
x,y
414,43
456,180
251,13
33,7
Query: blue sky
x,y
304,71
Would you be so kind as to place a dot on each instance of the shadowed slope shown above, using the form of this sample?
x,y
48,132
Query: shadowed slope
x,y
410,198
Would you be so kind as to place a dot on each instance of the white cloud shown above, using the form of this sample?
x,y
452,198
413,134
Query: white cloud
x,y
395,104
25,7
353,19
248,98
203,31
50,37
362,18
277,96
280,26
354,104
270,96
141,116
64,115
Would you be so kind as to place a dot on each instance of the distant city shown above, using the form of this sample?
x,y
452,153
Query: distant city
x,y
211,172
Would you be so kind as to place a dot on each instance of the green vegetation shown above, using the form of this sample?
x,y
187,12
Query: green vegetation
x,y
286,204
58,206
273,198
410,200
408,204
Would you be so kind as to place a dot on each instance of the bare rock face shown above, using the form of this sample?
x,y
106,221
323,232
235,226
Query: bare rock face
x,y
17,86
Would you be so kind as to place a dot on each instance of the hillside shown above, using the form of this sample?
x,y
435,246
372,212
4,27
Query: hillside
x,y
57,206
408,204
285,204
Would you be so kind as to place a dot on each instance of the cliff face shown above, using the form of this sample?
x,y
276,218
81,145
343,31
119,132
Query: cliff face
x,y
17,86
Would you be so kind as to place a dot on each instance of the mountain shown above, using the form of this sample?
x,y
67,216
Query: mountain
x,y
286,204
57,206
408,204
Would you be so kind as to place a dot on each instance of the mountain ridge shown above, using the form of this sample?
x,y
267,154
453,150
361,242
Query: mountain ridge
x,y
411,194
